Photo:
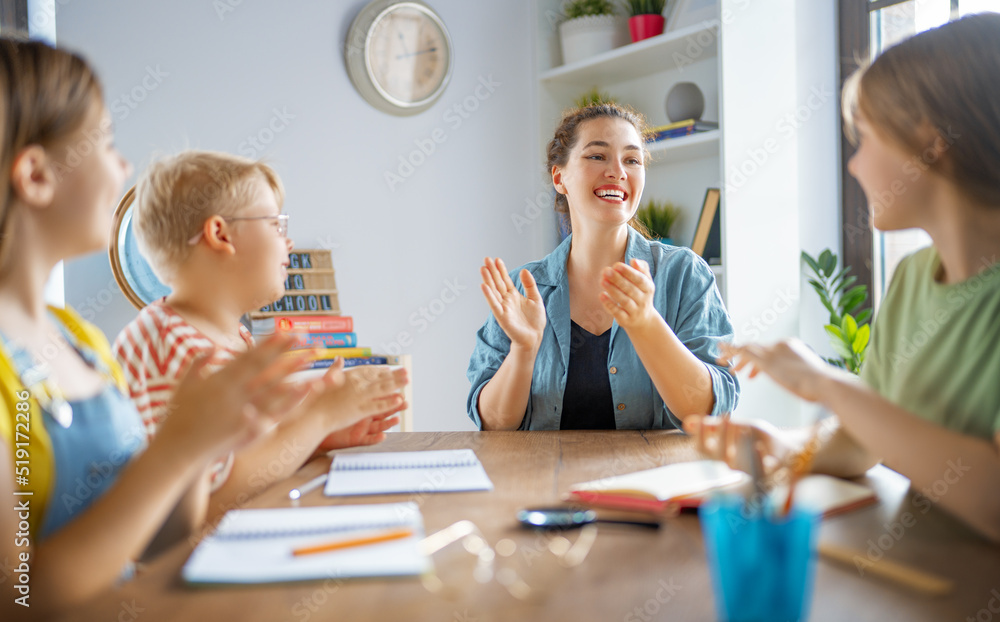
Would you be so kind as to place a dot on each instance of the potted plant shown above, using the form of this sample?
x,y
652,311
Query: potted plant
x,y
659,218
591,27
848,333
646,18
592,97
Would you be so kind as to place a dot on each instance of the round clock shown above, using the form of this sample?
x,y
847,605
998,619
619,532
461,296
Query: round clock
x,y
399,56
132,272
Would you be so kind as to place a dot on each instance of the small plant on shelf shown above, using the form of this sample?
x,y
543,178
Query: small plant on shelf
x,y
848,333
592,97
645,7
582,8
659,218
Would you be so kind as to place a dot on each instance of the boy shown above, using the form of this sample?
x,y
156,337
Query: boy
x,y
212,228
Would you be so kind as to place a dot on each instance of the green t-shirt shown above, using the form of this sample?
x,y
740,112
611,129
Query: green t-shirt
x,y
935,348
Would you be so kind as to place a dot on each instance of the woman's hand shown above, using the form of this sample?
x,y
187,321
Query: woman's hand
x,y
628,294
522,318
789,363
718,438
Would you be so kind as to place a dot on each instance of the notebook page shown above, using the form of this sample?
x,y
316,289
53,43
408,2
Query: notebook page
x,y
455,470
255,546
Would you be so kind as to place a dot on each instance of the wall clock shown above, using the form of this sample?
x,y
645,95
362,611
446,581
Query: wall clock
x,y
398,56
132,272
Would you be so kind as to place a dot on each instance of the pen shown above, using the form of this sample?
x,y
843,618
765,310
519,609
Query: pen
x,y
296,493
382,536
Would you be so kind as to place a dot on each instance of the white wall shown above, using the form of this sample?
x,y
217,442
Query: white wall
x,y
213,81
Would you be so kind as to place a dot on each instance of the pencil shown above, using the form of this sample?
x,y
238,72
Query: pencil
x,y
383,536
902,574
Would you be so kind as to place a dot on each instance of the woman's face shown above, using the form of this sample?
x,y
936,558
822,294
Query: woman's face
x,y
90,173
604,174
896,183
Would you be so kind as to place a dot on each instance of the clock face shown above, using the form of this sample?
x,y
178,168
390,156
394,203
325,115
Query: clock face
x,y
408,54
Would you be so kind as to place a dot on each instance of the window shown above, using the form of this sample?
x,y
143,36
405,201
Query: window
x,y
868,27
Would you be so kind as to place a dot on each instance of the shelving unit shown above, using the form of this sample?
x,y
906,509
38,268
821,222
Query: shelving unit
x,y
641,74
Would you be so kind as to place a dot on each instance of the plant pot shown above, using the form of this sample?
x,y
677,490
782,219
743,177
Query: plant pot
x,y
589,35
645,26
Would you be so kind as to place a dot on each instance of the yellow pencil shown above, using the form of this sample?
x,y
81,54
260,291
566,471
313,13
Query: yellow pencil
x,y
383,536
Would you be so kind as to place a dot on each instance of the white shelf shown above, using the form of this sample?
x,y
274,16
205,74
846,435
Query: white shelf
x,y
635,60
685,148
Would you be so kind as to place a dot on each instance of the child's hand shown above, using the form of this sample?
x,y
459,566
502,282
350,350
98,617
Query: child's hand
x,y
345,397
211,414
627,294
368,431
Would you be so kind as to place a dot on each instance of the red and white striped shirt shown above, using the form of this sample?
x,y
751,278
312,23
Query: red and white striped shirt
x,y
155,350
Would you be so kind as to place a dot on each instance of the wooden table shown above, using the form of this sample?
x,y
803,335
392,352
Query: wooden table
x,y
630,574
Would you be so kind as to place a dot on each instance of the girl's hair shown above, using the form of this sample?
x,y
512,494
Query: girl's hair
x,y
45,96
567,133
944,80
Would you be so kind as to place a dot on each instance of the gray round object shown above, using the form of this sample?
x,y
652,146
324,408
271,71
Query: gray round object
x,y
685,101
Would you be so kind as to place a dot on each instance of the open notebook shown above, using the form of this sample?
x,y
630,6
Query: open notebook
x,y
451,470
687,484
255,546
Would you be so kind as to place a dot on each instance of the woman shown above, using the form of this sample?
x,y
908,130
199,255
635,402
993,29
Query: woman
x,y
610,331
927,122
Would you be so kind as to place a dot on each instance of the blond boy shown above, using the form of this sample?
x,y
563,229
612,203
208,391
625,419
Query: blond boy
x,y
212,228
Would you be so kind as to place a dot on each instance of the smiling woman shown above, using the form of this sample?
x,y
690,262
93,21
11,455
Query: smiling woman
x,y
611,330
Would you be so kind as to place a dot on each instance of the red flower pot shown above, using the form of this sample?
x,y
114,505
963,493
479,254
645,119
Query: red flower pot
x,y
645,26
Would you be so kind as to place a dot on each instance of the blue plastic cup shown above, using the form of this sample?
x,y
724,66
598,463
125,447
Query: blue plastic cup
x,y
762,566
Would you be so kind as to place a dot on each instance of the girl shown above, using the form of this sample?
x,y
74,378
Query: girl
x,y
89,495
927,121
610,330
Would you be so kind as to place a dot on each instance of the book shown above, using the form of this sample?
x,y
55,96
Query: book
x,y
255,546
686,123
349,362
302,324
688,484
332,353
707,240
450,470
326,340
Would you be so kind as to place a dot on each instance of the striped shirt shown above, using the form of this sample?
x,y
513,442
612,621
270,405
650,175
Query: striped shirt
x,y
155,350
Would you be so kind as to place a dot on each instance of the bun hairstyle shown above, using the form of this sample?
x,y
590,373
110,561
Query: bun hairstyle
x,y
567,134
937,95
45,96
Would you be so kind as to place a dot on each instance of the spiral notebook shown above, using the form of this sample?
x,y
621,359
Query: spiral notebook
x,y
255,546
450,470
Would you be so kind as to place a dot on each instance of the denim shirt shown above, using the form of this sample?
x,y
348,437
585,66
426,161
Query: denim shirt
x,y
687,298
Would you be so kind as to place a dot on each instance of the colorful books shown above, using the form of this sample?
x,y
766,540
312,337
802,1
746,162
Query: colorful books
x,y
302,324
350,362
326,340
332,353
681,128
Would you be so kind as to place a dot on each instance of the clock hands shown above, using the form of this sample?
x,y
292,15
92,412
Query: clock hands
x,y
427,51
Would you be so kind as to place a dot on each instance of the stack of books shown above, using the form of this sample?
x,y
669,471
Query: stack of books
x,y
680,128
310,310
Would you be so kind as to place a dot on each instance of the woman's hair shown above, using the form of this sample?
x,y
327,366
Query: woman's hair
x,y
567,133
177,194
45,96
944,80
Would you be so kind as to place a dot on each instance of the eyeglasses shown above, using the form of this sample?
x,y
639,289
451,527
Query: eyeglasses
x,y
527,569
281,218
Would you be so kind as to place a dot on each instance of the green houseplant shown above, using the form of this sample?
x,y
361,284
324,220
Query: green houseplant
x,y
591,27
848,333
646,18
593,96
659,217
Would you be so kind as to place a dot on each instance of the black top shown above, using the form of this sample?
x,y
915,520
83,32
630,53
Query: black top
x,y
587,402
